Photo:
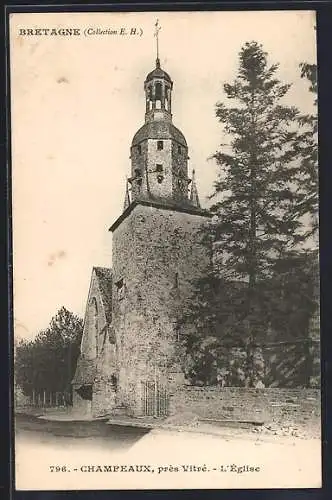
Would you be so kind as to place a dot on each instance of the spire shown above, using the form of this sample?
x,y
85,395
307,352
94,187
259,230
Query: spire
x,y
194,193
127,197
156,34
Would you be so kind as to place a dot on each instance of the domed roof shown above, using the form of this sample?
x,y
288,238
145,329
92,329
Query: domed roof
x,y
159,130
158,73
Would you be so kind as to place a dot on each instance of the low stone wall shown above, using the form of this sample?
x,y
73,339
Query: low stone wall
x,y
237,403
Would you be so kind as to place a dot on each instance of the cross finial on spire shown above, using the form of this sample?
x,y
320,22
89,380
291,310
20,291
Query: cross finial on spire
x,y
156,34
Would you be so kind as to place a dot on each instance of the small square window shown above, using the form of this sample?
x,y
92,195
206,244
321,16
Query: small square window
x,y
160,145
159,167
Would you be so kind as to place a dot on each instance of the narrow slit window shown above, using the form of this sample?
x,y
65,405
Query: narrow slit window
x,y
179,150
120,289
177,333
139,149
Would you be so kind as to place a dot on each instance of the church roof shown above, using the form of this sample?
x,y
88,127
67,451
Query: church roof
x,y
158,73
159,130
85,371
165,204
104,277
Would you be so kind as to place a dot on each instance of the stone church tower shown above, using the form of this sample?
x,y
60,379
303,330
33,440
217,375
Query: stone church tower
x,y
156,254
156,250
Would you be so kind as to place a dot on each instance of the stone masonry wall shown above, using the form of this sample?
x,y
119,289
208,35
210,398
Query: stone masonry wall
x,y
161,157
180,169
104,391
156,253
95,346
237,403
103,397
174,160
80,405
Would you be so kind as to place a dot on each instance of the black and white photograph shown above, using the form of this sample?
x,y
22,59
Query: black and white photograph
x,y
165,236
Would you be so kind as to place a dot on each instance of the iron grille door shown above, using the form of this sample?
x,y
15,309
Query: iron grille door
x,y
155,399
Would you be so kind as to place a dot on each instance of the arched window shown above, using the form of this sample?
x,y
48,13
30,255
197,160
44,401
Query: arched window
x,y
149,98
158,95
158,91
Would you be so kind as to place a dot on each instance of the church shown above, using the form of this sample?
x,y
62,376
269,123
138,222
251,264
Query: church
x,y
128,360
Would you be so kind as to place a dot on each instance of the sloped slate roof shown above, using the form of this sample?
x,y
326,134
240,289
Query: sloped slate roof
x,y
104,277
166,204
158,73
85,371
159,130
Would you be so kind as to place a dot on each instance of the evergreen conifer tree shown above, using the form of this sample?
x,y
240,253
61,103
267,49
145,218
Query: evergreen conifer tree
x,y
257,221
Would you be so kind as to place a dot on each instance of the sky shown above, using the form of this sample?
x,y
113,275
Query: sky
x,y
76,103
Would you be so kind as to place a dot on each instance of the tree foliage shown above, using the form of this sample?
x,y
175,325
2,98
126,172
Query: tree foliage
x,y
261,279
308,149
48,362
255,218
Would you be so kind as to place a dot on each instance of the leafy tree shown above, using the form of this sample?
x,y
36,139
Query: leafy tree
x,y
257,228
48,362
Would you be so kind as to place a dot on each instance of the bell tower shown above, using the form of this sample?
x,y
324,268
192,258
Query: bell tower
x,y
159,151
157,253
158,90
